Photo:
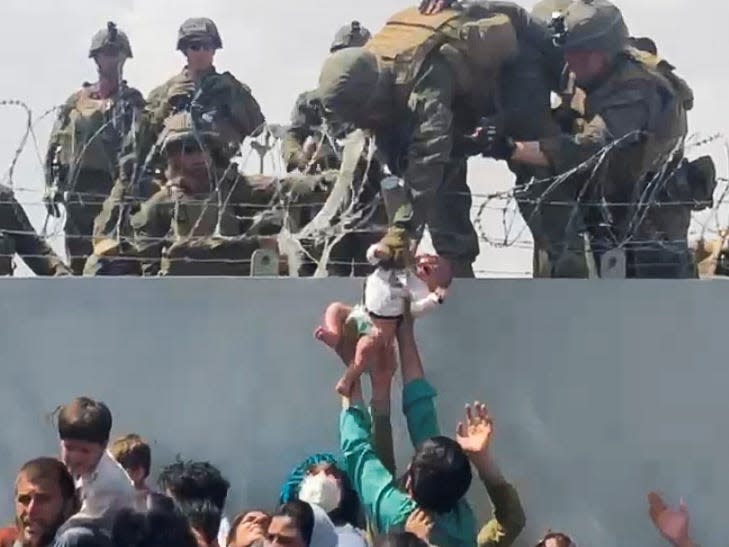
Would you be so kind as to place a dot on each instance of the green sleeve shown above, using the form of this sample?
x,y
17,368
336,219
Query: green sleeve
x,y
385,505
419,408
151,225
430,143
34,251
508,520
624,113
244,110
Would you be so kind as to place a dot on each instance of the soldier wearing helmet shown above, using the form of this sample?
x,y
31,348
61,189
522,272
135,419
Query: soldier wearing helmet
x,y
196,223
201,89
307,120
311,145
92,132
636,109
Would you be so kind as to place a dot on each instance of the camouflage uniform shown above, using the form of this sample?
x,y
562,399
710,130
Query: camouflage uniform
x,y
219,99
419,100
642,102
17,236
179,231
307,118
90,135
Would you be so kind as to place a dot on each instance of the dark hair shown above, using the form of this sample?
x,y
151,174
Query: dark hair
x,y
440,474
152,529
160,502
189,481
84,419
562,539
400,539
132,453
349,510
303,516
50,469
204,516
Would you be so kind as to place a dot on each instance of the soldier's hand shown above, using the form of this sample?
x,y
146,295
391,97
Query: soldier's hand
x,y
492,143
431,7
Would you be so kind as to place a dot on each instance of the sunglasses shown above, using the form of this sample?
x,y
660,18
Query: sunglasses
x,y
200,46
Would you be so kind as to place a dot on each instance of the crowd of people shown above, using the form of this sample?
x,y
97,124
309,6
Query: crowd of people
x,y
153,186
99,493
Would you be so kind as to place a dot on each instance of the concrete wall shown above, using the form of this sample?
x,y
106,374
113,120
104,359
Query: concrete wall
x,y
600,391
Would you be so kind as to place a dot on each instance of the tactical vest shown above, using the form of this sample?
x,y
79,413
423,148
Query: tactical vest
x,y
473,48
663,69
86,141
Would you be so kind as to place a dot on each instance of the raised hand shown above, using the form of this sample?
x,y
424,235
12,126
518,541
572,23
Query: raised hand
x,y
474,434
431,7
673,524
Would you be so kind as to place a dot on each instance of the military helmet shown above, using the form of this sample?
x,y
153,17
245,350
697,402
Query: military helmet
x,y
348,80
182,128
196,29
593,25
352,35
546,9
110,36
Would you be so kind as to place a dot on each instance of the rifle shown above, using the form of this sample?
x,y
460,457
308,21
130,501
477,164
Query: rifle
x,y
52,194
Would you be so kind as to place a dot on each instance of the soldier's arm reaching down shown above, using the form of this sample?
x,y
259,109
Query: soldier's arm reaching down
x,y
431,141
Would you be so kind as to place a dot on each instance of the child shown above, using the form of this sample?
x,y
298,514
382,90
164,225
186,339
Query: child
x,y
395,282
135,456
104,487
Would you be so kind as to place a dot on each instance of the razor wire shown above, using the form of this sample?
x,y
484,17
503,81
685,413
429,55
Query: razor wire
x,y
344,213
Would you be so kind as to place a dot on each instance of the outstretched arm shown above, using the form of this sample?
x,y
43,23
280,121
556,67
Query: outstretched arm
x,y
418,395
474,437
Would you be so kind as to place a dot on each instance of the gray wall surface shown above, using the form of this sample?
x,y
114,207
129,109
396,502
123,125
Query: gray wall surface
x,y
600,391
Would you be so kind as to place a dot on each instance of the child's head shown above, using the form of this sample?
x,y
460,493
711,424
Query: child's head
x,y
83,428
135,457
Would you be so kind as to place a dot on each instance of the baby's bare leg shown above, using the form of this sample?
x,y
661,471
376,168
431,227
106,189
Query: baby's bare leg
x,y
365,351
333,328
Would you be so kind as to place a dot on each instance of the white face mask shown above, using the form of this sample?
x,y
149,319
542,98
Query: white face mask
x,y
321,489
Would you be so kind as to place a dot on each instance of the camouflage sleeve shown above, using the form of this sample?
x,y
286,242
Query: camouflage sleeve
x,y
244,109
151,226
508,520
303,118
34,251
54,140
627,111
431,140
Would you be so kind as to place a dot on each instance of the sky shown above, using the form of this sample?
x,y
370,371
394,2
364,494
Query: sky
x,y
277,47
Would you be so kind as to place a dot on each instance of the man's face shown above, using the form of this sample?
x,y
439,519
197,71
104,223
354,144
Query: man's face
x,y
587,65
81,457
110,61
192,163
283,531
200,54
39,510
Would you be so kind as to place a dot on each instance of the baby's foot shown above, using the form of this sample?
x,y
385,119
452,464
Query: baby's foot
x,y
344,387
328,337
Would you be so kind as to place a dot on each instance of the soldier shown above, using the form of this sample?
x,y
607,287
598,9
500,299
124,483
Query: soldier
x,y
218,98
420,84
636,105
197,223
307,118
91,134
17,235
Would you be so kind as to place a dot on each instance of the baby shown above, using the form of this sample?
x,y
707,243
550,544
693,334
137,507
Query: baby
x,y
371,326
